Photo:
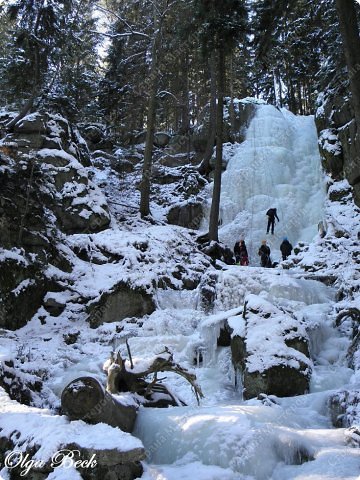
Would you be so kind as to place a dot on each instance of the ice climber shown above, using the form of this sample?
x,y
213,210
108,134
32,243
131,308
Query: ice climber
x,y
285,248
241,253
264,252
271,213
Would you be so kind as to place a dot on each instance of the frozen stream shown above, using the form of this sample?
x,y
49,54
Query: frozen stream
x,y
226,438
280,438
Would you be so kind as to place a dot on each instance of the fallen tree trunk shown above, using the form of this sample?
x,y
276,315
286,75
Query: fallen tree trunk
x,y
121,380
85,399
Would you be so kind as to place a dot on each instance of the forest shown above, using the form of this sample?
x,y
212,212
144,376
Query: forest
x,y
179,239
164,65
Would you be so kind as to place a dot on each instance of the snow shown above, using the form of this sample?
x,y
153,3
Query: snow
x,y
265,438
330,142
39,427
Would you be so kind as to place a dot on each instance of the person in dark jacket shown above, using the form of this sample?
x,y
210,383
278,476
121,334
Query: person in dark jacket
x,y
264,253
285,248
271,213
241,253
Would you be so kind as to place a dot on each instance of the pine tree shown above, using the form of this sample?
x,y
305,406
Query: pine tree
x,y
221,26
46,59
294,42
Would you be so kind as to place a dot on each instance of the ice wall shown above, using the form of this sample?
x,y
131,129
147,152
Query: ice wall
x,y
278,165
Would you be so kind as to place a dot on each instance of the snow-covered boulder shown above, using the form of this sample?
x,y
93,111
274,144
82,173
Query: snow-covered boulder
x,y
270,348
79,204
50,131
122,301
32,123
345,408
43,443
186,214
331,151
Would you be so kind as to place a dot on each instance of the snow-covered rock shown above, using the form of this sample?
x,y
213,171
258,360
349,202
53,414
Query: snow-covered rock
x,y
271,349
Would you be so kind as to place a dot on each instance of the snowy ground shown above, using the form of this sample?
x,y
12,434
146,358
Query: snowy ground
x,y
224,437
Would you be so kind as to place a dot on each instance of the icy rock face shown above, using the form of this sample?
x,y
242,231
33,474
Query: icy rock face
x,y
335,121
271,350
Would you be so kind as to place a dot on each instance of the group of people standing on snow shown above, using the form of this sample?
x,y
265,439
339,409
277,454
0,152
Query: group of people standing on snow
x,y
241,253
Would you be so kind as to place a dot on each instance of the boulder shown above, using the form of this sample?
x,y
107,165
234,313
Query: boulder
x,y
338,191
85,399
140,138
174,161
81,219
93,134
53,305
161,139
32,123
119,303
111,464
22,289
106,155
331,152
345,408
187,214
25,142
179,144
122,166
164,176
270,349
56,158
90,451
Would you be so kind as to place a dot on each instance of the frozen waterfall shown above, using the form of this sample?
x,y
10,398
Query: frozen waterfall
x,y
278,165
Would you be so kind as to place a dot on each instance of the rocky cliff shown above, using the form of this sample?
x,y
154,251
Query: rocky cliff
x,y
339,142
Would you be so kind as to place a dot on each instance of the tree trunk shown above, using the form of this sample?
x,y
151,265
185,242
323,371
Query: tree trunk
x,y
215,204
34,93
151,121
351,40
231,106
204,167
85,399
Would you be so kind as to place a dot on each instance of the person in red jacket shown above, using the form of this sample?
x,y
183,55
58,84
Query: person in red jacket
x,y
241,253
